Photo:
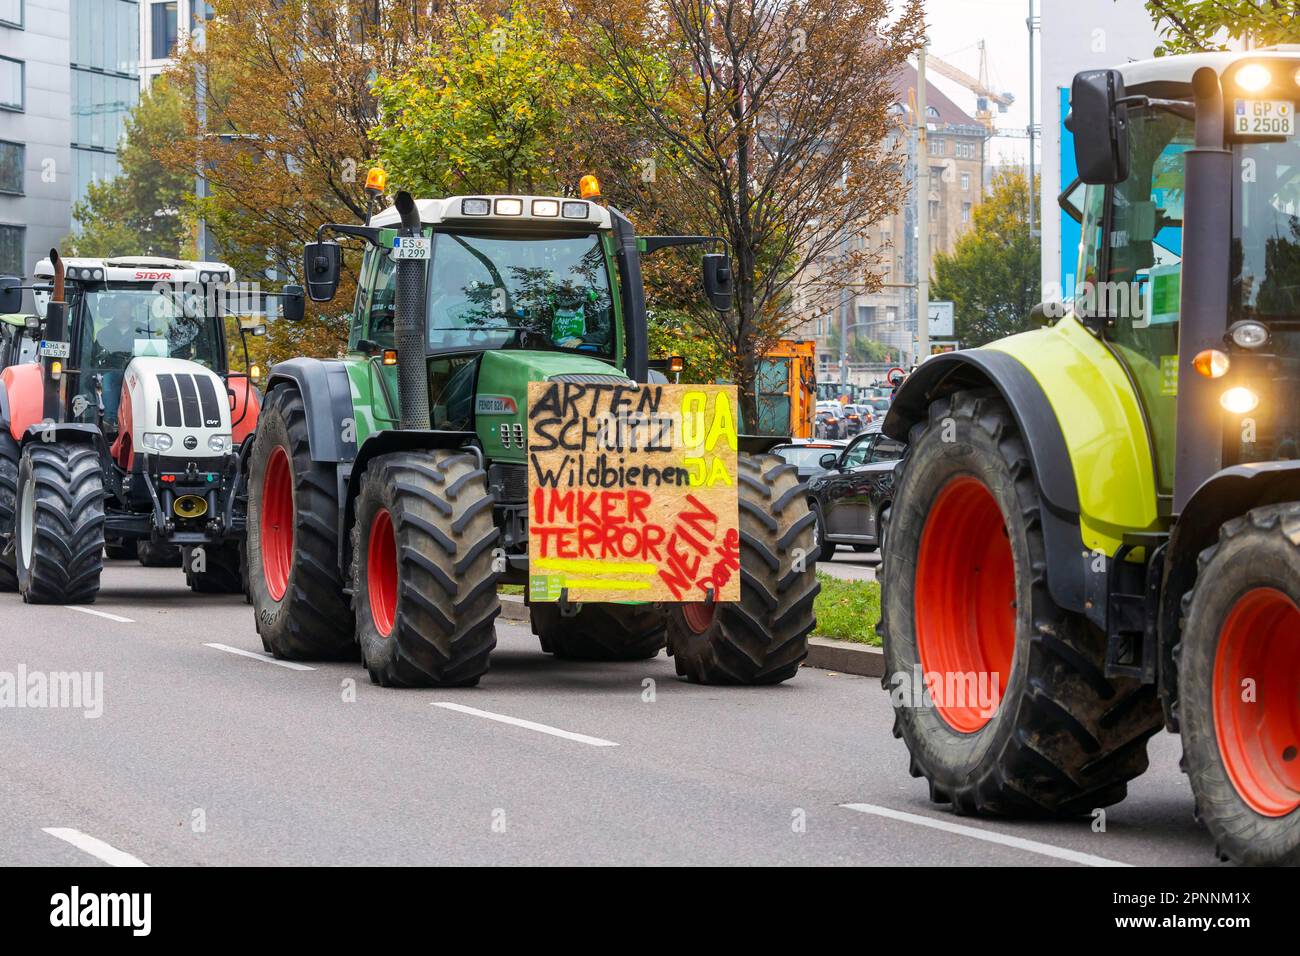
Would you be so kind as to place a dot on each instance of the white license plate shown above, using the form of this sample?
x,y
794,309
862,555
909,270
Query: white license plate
x,y
1264,118
412,247
54,349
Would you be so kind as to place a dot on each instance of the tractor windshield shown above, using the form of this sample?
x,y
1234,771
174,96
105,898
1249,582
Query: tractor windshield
x,y
114,324
1266,279
488,292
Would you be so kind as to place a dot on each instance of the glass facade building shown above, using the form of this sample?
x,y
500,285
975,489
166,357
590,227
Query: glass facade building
x,y
105,85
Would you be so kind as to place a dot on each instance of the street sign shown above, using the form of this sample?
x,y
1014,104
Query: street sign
x,y
941,321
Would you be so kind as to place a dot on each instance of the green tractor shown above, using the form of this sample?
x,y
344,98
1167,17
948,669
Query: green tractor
x,y
388,490
1097,529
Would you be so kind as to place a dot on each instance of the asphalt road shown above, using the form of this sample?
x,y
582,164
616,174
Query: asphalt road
x,y
205,756
851,565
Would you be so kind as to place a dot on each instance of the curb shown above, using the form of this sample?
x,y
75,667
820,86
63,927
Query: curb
x,y
513,607
845,657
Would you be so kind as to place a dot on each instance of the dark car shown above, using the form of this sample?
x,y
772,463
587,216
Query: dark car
x,y
852,498
806,454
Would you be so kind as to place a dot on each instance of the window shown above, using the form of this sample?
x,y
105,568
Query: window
x,y
12,253
162,23
12,158
11,12
11,84
858,451
887,449
936,147
934,209
965,182
965,212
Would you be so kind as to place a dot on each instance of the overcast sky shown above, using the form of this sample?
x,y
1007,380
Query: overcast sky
x,y
954,27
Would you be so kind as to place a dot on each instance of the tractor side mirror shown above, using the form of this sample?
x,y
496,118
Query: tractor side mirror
x,y
829,460
719,284
292,305
11,294
322,263
1099,122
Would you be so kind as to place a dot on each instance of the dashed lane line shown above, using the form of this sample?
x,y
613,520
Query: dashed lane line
x,y
96,848
988,836
261,656
103,614
527,724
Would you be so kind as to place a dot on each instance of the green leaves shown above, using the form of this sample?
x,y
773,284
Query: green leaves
x,y
1191,26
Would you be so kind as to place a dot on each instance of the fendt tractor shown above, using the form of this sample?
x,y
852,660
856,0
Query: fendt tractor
x,y
1097,530
388,490
122,425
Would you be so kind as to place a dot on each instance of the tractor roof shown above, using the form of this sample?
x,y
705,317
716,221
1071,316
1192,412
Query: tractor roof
x,y
139,269
1179,69
533,211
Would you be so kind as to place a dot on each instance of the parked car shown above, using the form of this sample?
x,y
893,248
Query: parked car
x,y
859,416
851,499
806,454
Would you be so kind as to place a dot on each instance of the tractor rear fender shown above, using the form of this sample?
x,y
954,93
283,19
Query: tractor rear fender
x,y
384,443
1227,494
327,394
22,398
1071,580
79,432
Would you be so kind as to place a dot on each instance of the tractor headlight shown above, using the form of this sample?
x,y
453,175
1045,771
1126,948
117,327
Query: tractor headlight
x,y
1249,334
156,442
509,207
1254,77
475,207
546,207
1239,400
219,443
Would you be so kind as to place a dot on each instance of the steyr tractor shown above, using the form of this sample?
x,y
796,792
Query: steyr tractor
x,y
122,425
388,489
1097,531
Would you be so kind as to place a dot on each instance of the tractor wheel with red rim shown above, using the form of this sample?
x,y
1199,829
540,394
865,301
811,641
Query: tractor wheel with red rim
x,y
294,582
1000,695
423,588
763,637
1239,687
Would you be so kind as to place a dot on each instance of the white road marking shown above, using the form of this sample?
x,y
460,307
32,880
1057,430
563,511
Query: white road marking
x,y
528,724
96,848
989,836
103,614
261,656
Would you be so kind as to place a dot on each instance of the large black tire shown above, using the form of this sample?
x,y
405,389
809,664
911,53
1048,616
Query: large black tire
x,y
222,571
9,456
300,607
424,588
60,523
763,637
152,554
1239,687
1063,738
601,632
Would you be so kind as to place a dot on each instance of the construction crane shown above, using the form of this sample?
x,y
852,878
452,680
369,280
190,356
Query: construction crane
x,y
984,93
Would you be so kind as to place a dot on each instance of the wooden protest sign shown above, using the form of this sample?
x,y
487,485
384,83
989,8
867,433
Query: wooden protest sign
x,y
632,492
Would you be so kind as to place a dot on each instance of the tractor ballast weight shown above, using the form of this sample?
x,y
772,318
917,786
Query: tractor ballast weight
x,y
1140,455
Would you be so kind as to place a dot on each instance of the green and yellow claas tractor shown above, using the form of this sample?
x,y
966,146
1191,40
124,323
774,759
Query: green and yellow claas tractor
x,y
388,490
1097,529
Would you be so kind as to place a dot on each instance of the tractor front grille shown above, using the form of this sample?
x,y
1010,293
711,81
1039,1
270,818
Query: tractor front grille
x,y
508,481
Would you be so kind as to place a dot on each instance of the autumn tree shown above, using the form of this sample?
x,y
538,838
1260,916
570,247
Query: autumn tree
x,y
772,130
992,274
279,113
1193,26
142,210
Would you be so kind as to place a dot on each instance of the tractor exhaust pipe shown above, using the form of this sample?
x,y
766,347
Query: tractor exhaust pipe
x,y
56,330
408,321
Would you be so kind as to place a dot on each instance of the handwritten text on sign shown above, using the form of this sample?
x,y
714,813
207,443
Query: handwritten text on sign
x,y
632,492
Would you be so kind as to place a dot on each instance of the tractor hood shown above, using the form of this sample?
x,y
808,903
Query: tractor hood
x,y
501,398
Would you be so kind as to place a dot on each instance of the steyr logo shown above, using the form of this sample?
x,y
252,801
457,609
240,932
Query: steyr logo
x,y
191,442
73,909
